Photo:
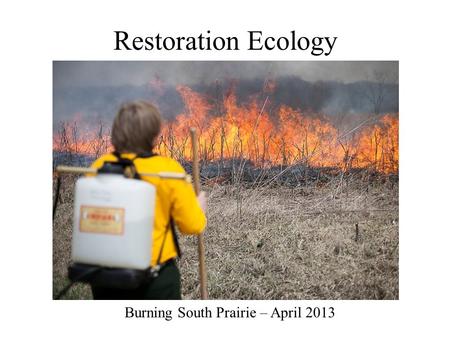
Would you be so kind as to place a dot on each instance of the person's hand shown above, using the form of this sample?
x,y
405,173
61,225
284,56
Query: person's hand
x,y
202,200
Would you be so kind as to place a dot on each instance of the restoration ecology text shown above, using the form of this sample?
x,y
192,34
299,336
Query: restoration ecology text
x,y
257,40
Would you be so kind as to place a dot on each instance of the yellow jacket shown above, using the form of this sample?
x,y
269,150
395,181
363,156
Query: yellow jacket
x,y
174,198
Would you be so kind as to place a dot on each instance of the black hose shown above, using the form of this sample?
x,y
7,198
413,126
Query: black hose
x,y
87,273
55,203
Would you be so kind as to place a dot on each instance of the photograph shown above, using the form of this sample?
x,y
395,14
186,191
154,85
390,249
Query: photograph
x,y
225,180
227,168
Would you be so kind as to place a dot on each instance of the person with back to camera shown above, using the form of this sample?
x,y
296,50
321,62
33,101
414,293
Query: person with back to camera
x,y
134,132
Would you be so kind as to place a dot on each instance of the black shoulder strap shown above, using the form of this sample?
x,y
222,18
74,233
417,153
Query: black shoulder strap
x,y
129,162
175,236
171,226
127,165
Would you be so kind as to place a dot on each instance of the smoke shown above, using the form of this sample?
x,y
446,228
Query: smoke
x,y
135,73
95,90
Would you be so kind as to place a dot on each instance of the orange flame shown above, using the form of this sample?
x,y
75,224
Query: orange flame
x,y
77,137
265,135
249,131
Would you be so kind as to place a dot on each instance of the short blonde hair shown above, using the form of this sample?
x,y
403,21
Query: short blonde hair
x,y
136,127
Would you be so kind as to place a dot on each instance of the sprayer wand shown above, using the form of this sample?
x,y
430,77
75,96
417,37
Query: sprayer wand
x,y
201,245
164,175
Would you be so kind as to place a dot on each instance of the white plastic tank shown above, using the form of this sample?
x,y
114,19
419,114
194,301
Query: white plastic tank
x,y
113,221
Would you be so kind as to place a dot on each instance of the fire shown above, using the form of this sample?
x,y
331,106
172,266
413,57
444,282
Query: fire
x,y
80,138
264,134
283,136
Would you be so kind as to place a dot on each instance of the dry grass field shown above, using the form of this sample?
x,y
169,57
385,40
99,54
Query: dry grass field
x,y
333,240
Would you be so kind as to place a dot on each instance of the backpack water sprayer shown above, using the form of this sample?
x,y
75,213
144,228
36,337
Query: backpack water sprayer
x,y
113,225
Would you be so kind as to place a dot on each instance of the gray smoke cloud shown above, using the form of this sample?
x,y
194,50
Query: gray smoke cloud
x,y
92,91
120,73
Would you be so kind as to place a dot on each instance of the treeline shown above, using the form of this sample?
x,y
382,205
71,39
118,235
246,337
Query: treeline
x,y
313,97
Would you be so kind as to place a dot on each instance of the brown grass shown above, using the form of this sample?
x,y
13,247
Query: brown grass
x,y
281,243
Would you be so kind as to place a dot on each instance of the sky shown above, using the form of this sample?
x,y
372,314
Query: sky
x,y
118,73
